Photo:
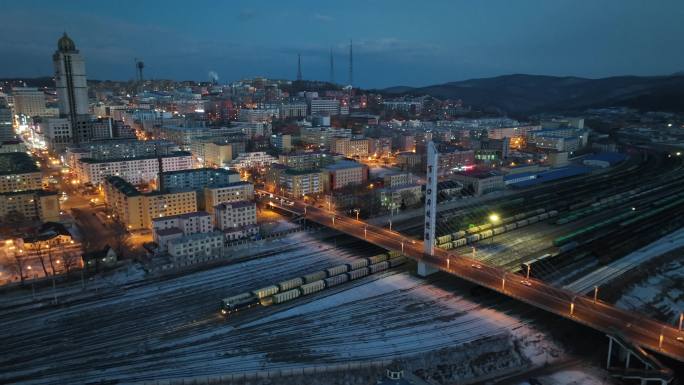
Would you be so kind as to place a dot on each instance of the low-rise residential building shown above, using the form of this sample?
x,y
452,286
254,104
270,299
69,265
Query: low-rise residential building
x,y
344,173
295,183
292,110
137,210
242,232
100,259
176,226
18,172
308,160
324,107
13,145
397,178
186,249
480,182
282,142
232,192
455,160
235,214
400,196
409,160
119,148
30,204
198,178
350,147
247,160
135,170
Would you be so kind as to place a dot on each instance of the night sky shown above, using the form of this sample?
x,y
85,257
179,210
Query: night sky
x,y
395,42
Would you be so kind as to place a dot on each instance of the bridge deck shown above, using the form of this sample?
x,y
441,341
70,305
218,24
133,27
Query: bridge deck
x,y
637,328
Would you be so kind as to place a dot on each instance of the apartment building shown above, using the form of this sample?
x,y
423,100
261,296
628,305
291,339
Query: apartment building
x,y
136,170
345,173
137,210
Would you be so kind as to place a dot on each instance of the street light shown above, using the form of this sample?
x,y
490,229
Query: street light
x,y
494,220
357,211
595,294
572,306
660,339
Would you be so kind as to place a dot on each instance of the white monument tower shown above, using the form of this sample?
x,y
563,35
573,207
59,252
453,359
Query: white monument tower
x,y
430,208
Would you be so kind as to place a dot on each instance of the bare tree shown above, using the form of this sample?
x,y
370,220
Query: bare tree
x,y
20,261
71,261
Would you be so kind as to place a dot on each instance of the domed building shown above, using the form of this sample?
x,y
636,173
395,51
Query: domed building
x,y
65,44
72,93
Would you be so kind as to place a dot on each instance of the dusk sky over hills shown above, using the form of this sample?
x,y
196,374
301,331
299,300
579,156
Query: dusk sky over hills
x,y
395,42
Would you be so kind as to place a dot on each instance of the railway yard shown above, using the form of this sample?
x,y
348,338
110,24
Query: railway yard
x,y
287,309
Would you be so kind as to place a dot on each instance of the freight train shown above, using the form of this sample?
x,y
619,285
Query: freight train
x,y
477,233
311,283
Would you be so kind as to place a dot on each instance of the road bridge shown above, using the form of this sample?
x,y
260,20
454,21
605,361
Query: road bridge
x,y
636,328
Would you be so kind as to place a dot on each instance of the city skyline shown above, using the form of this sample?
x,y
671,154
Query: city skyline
x,y
445,42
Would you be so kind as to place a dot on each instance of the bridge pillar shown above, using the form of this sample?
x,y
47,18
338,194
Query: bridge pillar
x,y
430,209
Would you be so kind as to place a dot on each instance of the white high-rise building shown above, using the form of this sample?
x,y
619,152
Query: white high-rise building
x,y
70,80
29,101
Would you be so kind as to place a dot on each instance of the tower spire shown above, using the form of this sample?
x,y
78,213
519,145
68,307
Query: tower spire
x,y
299,66
332,67
351,62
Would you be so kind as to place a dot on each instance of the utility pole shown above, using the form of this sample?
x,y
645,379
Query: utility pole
x,y
351,63
332,67
299,67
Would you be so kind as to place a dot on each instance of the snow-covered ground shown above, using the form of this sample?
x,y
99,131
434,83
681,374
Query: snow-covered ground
x,y
170,328
582,375
661,294
613,270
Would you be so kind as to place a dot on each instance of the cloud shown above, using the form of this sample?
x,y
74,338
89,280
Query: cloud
x,y
322,18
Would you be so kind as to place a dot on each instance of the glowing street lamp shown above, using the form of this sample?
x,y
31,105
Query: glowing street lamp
x,y
494,218
572,306
595,294
660,339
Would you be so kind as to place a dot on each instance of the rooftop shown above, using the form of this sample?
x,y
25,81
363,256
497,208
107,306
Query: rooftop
x,y
171,155
199,171
193,214
610,157
343,164
17,163
302,172
237,204
195,236
122,185
169,231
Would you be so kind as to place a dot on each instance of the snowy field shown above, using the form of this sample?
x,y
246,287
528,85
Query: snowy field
x,y
171,328
660,295
605,274
577,376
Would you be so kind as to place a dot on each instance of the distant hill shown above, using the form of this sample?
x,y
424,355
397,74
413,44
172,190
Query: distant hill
x,y
525,94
